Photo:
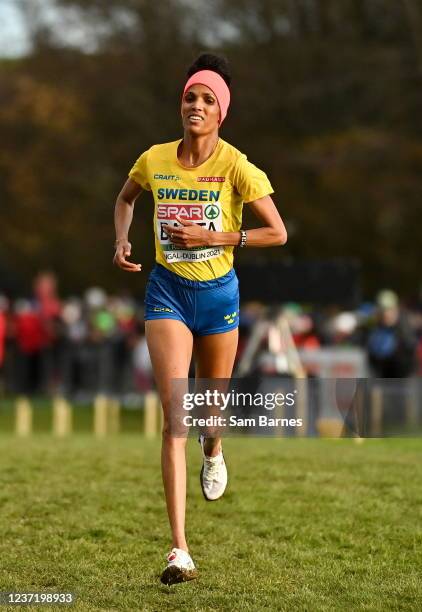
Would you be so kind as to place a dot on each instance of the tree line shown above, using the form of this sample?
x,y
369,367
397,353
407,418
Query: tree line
x,y
326,97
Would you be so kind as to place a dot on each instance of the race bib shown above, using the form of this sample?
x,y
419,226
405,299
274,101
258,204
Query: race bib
x,y
209,215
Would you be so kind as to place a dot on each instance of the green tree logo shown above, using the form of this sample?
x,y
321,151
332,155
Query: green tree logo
x,y
211,211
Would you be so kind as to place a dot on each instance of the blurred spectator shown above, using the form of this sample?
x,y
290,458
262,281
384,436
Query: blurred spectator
x,y
419,356
124,340
304,334
343,329
29,334
48,307
141,361
4,303
98,349
391,343
74,335
96,343
250,313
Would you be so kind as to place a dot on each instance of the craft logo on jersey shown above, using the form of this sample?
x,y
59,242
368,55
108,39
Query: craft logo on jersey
x,y
167,177
211,179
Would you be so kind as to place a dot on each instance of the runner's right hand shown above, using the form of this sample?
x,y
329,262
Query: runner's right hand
x,y
123,250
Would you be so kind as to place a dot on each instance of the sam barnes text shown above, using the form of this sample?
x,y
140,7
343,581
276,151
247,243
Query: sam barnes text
x,y
234,421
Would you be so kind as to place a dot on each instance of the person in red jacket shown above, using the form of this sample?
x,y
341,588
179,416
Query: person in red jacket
x,y
3,308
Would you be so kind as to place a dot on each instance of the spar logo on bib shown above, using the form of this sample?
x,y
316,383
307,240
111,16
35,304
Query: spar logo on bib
x,y
211,211
207,215
190,212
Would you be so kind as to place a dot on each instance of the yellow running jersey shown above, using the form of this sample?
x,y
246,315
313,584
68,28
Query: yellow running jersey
x,y
211,195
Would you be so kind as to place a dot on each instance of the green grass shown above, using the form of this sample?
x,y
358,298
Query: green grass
x,y
304,525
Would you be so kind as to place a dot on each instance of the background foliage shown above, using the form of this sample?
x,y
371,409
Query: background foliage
x,y
326,98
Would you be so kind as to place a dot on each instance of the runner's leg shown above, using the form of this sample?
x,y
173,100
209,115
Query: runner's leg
x,y
170,345
214,358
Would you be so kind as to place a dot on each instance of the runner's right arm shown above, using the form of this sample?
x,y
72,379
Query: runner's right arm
x,y
123,214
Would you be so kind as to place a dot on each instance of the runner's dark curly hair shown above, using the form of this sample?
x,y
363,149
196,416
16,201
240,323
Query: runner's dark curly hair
x,y
208,61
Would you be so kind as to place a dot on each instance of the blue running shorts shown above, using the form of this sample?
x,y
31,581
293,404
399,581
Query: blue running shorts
x,y
206,307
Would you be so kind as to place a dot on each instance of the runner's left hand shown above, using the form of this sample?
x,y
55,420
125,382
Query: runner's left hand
x,y
189,235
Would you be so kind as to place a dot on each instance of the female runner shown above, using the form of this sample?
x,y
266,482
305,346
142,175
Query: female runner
x,y
199,185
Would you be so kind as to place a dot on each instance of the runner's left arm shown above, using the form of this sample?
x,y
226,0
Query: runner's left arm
x,y
273,233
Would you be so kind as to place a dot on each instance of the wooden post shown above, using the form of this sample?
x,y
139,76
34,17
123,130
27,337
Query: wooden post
x,y
62,417
377,410
302,408
279,413
411,403
330,423
150,414
23,419
114,416
100,415
329,427
358,408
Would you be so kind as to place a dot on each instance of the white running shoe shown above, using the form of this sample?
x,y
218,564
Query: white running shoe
x,y
180,567
213,475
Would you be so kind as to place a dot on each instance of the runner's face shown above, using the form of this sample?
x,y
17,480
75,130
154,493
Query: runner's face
x,y
200,110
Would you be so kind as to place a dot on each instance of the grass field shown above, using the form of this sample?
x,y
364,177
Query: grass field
x,y
304,525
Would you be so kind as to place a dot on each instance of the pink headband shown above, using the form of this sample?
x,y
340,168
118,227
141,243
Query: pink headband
x,y
217,85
